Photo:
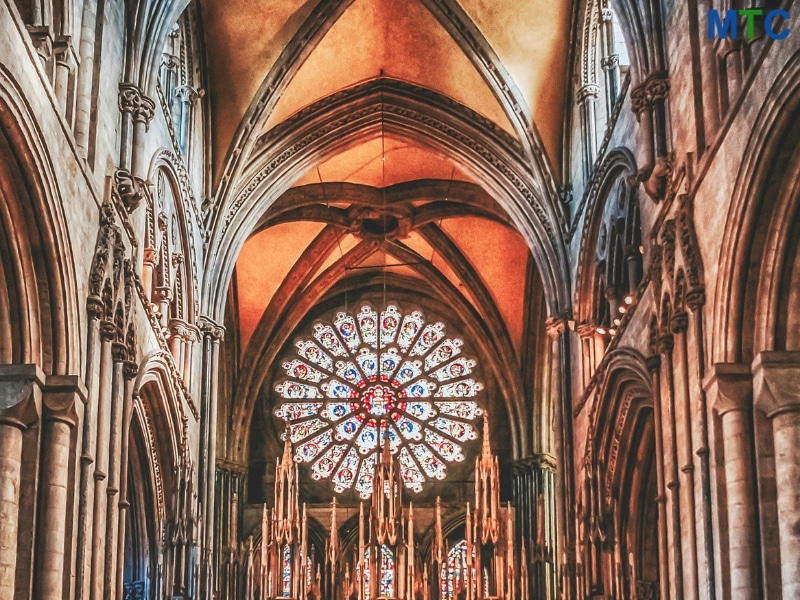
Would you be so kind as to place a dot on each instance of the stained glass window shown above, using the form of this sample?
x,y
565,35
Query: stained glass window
x,y
386,585
365,378
454,572
287,570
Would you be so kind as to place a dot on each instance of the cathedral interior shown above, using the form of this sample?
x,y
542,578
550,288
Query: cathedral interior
x,y
419,300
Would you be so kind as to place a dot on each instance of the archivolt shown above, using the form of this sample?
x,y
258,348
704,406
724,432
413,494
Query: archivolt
x,y
757,228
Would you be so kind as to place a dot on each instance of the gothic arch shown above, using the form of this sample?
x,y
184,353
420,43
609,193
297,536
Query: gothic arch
x,y
36,271
164,172
751,307
145,511
162,419
412,113
619,506
618,166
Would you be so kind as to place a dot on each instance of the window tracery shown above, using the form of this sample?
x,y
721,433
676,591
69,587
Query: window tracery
x,y
358,383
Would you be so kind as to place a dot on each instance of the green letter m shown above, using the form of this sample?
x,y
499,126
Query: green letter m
x,y
720,28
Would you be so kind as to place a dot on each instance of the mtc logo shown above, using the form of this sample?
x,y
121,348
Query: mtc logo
x,y
728,27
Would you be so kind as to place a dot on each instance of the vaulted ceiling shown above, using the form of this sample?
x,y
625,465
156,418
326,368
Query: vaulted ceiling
x,y
388,211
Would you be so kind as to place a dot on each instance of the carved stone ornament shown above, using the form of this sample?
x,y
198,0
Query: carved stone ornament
x,y
128,189
129,99
655,179
145,111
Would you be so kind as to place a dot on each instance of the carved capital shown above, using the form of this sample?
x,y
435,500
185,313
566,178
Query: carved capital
x,y
210,329
145,111
610,62
130,98
657,87
94,307
653,362
119,352
666,343
639,100
696,298
130,370
586,329
20,394
164,294
776,382
108,330
731,384
189,95
61,395
679,322
588,91
150,256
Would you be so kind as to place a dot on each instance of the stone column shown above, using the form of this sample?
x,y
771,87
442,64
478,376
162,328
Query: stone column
x,y
89,431
85,83
20,405
666,344
730,386
535,506
118,386
107,332
564,476
130,370
60,417
64,80
654,366
587,96
610,60
776,386
212,335
679,324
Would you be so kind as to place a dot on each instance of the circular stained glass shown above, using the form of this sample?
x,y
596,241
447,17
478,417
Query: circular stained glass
x,y
363,380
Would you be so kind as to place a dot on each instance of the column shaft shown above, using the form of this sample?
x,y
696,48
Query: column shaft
x,y
734,403
10,464
777,392
55,478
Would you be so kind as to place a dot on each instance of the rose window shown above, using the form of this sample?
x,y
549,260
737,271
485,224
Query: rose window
x,y
358,384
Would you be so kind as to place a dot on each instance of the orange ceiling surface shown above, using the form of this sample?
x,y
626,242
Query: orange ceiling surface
x,y
404,41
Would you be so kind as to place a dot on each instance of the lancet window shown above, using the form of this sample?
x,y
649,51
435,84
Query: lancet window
x,y
454,571
386,583
619,258
357,382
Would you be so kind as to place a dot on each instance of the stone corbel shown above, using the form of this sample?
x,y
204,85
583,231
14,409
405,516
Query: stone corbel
x,y
144,112
655,179
776,382
128,190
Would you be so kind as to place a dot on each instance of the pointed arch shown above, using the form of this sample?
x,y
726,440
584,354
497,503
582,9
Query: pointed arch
x,y
38,297
417,114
